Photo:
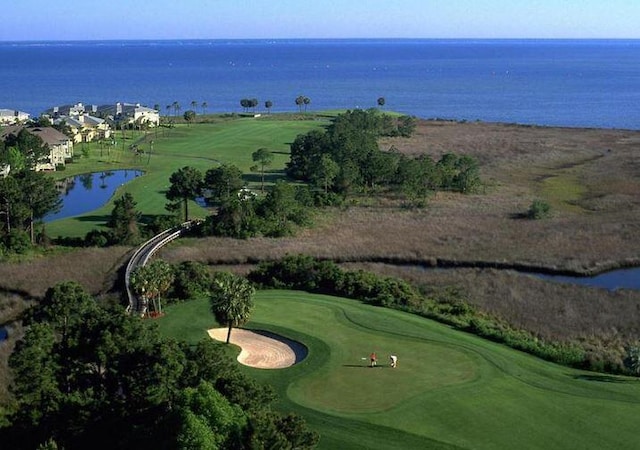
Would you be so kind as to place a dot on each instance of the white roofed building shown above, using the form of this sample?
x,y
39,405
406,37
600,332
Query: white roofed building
x,y
12,117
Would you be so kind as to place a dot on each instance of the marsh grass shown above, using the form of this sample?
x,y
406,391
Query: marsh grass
x,y
597,176
97,269
591,176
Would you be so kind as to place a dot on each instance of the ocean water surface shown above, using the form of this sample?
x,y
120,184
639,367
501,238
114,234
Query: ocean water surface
x,y
578,83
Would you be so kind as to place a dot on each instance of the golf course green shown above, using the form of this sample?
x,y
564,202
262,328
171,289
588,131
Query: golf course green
x,y
450,389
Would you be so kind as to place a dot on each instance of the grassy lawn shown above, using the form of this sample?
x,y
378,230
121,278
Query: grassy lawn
x,y
450,390
202,146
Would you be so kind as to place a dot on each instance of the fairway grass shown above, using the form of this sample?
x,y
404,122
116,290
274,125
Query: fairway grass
x,y
450,389
203,146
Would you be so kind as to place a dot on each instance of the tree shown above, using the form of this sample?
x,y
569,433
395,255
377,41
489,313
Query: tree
x,y
264,158
245,103
236,217
280,209
151,282
253,102
325,172
300,102
176,107
633,360
406,125
39,196
10,195
32,147
222,182
186,184
194,105
192,279
381,102
34,365
231,300
115,371
124,220
204,107
189,116
268,105
306,101
415,176
15,159
305,151
208,420
467,180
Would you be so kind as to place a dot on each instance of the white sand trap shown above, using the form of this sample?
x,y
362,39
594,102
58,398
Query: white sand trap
x,y
262,349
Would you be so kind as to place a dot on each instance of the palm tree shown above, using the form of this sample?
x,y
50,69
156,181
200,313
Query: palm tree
x,y
263,157
204,107
306,102
231,300
268,104
176,108
194,104
381,101
151,282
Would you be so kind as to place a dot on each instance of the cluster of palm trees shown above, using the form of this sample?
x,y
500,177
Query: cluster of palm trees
x,y
176,108
301,101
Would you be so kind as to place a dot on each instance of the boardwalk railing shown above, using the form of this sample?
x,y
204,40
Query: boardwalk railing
x,y
141,257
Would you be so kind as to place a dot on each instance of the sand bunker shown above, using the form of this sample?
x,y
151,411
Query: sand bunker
x,y
262,349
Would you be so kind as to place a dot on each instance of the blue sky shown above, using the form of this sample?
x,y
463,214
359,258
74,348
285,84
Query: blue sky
x,y
229,19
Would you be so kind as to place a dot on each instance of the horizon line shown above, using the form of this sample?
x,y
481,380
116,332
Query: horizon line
x,y
14,41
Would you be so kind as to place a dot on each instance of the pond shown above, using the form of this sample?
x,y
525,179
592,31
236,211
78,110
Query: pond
x,y
86,192
615,279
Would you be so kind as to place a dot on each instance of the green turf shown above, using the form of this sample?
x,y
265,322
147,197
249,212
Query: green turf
x,y
203,146
450,390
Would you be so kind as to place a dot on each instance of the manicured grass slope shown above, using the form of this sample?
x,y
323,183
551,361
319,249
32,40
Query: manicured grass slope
x,y
450,390
202,146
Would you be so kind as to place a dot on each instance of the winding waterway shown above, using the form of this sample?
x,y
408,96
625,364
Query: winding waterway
x,y
615,279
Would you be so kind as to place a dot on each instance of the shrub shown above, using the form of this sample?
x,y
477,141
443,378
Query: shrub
x,y
97,238
18,242
191,280
306,273
539,209
161,223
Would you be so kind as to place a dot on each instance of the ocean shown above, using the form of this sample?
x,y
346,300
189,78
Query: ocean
x,y
575,83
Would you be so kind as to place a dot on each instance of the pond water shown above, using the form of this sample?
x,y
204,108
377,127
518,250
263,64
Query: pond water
x,y
4,334
615,279
89,191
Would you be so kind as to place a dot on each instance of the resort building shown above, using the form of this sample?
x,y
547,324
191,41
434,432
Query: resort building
x,y
82,122
60,146
12,117
86,128
130,114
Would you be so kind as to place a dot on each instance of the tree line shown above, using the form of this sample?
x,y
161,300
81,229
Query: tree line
x,y
346,157
239,211
444,304
87,375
